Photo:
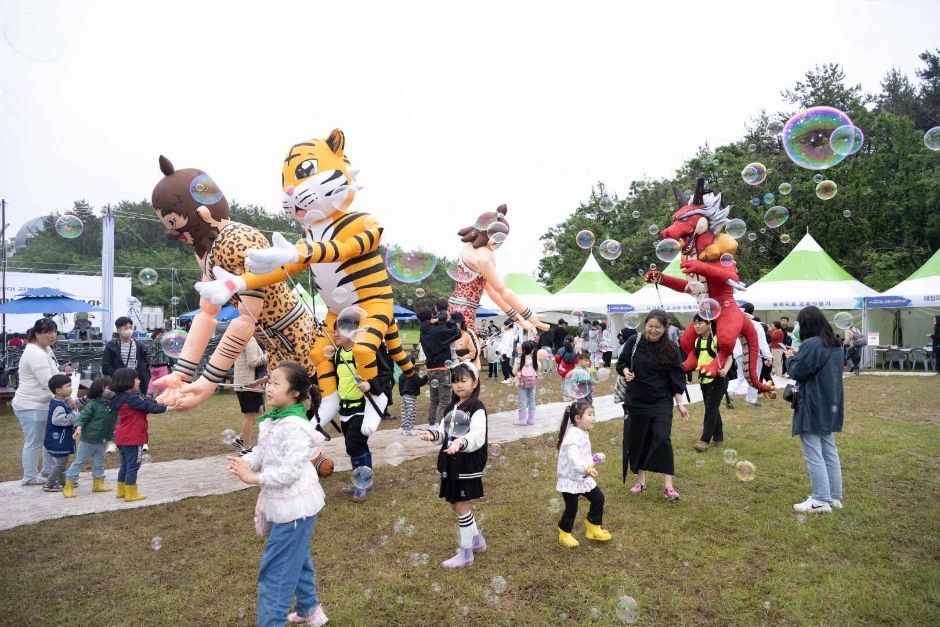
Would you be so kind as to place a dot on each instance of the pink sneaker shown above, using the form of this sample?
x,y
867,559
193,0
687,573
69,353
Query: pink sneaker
x,y
317,618
671,494
463,558
639,487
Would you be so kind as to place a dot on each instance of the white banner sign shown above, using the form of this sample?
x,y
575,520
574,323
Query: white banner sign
x,y
82,287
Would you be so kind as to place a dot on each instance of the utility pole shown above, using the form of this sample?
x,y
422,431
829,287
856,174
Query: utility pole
x,y
3,261
107,273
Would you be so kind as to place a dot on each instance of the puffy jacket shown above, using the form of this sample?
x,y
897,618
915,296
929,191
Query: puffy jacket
x,y
132,413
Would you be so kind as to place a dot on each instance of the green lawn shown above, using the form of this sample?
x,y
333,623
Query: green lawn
x,y
714,558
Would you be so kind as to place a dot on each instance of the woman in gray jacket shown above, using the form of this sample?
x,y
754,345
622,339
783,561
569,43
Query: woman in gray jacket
x,y
819,408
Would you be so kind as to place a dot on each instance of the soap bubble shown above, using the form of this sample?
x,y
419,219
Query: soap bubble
x,y
762,249
724,173
801,519
932,138
610,249
228,436
652,266
486,220
654,229
769,198
362,477
776,216
736,228
368,593
415,559
340,294
709,309
457,423
549,246
156,543
847,213
842,320
69,226
752,236
635,214
695,288
752,148
495,450
755,202
175,300
598,458
727,259
700,463
819,178
730,456
775,127
434,383
394,454
846,140
595,613
36,34
498,232
535,472
148,276
627,610
784,239
806,137
785,189
172,343
409,266
146,458
602,374
498,584
462,271
631,319
745,471
584,239
329,351
436,587
668,249
826,190
577,383
577,313
554,506
606,204
754,173
420,292
204,190
349,320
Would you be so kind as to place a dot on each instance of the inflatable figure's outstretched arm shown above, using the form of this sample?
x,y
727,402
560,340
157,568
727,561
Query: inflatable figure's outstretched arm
x,y
507,299
658,278
282,253
184,371
714,272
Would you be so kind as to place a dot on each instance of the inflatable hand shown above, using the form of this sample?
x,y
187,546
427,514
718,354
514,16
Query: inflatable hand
x,y
536,320
172,382
221,290
709,370
264,260
694,266
653,277
526,325
192,394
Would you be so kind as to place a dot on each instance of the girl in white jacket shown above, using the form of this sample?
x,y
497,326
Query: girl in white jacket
x,y
289,500
576,475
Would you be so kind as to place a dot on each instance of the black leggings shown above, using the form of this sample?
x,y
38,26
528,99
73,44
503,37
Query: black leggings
x,y
493,370
595,513
507,368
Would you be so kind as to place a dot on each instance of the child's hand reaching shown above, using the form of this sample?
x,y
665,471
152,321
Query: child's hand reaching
x,y
77,434
242,469
427,436
456,447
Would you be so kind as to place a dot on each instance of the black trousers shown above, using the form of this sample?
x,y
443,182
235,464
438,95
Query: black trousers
x,y
507,367
493,370
607,356
712,395
936,359
647,441
595,514
356,443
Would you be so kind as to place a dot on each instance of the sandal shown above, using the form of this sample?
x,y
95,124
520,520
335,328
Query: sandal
x,y
671,494
639,487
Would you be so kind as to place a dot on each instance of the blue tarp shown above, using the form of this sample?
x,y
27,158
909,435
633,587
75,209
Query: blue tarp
x,y
47,304
229,312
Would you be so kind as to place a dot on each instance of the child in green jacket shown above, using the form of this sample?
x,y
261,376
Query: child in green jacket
x,y
93,430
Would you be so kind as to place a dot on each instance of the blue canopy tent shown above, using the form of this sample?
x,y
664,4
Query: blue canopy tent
x,y
229,312
404,314
486,313
46,300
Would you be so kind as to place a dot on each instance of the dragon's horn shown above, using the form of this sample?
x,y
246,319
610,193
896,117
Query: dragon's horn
x,y
680,197
697,197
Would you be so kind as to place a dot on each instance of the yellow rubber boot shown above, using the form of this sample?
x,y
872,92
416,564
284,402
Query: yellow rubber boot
x,y
69,490
131,494
594,532
567,540
97,485
120,490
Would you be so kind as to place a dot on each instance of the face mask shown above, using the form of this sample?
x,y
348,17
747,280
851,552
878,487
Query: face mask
x,y
126,333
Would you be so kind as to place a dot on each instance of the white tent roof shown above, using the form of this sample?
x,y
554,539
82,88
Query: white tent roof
x,y
807,276
592,290
648,297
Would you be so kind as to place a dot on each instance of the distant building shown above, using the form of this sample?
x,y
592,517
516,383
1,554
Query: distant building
x,y
26,233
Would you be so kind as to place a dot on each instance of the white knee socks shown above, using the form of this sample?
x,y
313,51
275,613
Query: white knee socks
x,y
468,529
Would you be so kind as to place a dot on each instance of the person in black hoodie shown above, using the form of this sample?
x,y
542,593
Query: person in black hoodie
x,y
126,352
436,337
559,334
409,389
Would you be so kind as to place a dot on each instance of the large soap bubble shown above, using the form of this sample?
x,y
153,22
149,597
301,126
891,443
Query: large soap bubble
x,y
69,226
754,173
806,137
409,266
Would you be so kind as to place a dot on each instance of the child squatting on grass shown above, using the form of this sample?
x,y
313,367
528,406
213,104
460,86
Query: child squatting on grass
x,y
289,500
462,458
60,422
576,475
93,431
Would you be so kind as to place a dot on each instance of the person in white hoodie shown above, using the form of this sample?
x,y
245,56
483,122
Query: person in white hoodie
x,y
576,475
290,498
31,401
751,397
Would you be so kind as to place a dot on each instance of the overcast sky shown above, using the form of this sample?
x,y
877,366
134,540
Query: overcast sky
x,y
449,109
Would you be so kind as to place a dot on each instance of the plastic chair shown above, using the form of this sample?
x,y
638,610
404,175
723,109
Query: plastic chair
x,y
919,356
894,355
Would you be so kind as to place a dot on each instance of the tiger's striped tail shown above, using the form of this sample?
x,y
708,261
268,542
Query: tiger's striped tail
x,y
397,352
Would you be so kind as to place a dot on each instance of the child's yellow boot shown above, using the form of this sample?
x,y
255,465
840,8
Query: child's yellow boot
x,y
131,494
594,532
121,491
567,540
97,485
69,490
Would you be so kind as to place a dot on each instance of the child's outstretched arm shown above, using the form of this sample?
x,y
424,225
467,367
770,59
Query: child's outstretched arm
x,y
146,405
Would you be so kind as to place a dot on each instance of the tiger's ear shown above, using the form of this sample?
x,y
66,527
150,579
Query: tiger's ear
x,y
165,166
337,142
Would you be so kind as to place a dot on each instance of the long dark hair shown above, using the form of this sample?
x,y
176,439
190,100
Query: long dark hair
x,y
813,323
459,373
123,380
665,349
572,411
98,386
298,380
528,348
43,325
569,343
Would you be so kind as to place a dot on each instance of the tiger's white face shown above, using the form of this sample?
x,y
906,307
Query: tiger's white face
x,y
317,180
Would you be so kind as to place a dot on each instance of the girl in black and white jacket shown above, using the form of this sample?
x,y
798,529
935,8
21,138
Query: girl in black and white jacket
x,y
463,437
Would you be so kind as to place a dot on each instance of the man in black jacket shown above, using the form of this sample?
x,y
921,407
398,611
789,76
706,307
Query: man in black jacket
x,y
126,352
560,333
436,338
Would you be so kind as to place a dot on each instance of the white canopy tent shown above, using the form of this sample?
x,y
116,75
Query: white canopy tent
x,y
904,314
591,291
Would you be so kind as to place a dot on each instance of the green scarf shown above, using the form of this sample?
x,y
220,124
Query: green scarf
x,y
294,410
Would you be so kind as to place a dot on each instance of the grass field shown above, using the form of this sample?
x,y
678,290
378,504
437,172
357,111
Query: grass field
x,y
728,553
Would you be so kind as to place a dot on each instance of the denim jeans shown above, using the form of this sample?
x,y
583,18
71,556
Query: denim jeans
x,y
130,463
286,570
440,394
822,459
526,398
87,450
33,422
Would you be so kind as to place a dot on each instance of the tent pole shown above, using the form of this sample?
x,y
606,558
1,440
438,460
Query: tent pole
x,y
866,354
107,273
3,299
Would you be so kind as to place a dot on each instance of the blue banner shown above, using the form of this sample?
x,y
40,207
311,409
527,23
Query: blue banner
x,y
621,309
887,302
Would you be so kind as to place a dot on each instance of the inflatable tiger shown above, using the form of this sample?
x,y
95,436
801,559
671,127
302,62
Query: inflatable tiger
x,y
341,251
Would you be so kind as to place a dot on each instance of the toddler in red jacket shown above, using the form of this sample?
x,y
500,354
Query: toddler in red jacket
x,y
130,435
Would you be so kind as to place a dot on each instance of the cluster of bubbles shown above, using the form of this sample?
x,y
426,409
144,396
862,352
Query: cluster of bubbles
x,y
172,343
148,276
409,266
69,226
204,190
610,249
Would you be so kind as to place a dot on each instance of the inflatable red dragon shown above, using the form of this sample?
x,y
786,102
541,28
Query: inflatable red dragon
x,y
697,227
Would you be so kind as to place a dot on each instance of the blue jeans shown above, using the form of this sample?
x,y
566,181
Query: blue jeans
x,y
87,450
822,459
286,570
130,463
33,422
526,398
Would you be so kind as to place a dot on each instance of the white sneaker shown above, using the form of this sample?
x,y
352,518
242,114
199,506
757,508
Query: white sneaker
x,y
146,448
112,447
813,506
835,504
506,381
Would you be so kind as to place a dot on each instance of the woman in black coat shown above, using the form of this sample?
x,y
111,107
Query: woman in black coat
x,y
651,365
935,339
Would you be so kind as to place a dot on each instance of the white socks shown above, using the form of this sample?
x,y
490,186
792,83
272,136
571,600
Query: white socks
x,y
468,529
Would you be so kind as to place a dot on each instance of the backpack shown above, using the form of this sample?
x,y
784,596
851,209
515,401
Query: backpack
x,y
858,340
528,377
